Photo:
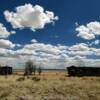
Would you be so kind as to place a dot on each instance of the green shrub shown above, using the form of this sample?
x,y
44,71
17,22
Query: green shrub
x,y
20,79
62,79
36,79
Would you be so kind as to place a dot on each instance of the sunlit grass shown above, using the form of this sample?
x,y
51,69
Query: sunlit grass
x,y
50,86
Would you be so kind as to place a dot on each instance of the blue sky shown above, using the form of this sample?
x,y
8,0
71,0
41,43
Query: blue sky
x,y
76,26
69,12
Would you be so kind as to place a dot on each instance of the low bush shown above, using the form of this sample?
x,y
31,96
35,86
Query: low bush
x,y
62,79
36,79
20,79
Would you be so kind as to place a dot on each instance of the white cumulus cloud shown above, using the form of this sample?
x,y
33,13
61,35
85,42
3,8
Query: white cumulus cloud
x,y
48,55
29,16
90,31
96,42
4,33
6,44
84,33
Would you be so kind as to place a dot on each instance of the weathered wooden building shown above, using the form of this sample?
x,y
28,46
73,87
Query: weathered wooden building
x,y
83,71
6,70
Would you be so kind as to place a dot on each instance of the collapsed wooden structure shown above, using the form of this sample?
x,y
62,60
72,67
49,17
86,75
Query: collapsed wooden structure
x,y
83,71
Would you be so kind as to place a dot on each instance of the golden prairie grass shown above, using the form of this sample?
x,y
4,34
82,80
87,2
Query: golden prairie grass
x,y
50,86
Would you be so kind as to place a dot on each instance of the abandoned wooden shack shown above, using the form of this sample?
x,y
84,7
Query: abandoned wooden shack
x,y
5,70
83,71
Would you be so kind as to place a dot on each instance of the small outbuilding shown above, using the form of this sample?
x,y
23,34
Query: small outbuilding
x,y
83,71
6,70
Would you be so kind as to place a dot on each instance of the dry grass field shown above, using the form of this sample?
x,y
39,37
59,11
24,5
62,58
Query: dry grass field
x,y
49,86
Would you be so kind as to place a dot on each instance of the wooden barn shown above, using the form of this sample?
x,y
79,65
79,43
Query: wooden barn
x,y
5,70
83,71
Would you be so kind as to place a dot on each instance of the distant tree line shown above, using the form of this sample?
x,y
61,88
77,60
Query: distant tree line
x,y
31,67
